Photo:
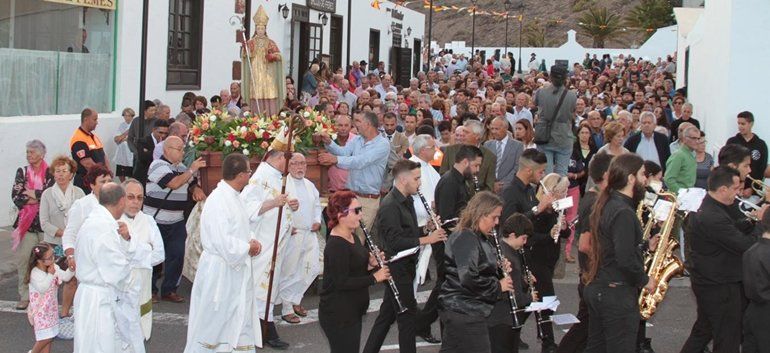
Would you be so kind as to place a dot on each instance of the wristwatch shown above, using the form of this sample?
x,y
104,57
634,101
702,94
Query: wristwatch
x,y
534,209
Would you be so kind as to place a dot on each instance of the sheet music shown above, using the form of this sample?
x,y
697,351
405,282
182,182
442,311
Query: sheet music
x,y
404,253
564,319
548,303
690,199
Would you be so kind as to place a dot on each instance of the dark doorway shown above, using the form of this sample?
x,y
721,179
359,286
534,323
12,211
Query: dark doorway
x,y
335,42
417,56
310,41
374,48
401,62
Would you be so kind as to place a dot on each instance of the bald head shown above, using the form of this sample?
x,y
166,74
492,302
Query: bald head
x,y
173,149
113,197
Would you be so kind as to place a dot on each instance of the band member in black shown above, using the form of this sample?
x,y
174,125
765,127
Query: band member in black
x,y
739,158
396,225
451,196
615,267
716,272
543,252
503,337
574,341
756,282
471,287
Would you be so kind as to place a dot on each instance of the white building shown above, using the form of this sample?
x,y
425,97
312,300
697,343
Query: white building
x,y
60,56
722,51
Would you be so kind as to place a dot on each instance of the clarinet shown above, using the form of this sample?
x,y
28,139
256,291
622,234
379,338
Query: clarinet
x,y
431,215
380,262
511,296
532,291
476,183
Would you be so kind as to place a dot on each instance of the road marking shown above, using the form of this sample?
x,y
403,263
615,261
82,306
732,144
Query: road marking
x,y
181,319
393,347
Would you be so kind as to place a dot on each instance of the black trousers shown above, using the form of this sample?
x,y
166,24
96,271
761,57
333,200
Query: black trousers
x,y
504,339
174,237
463,333
544,274
575,339
614,316
403,275
756,328
429,312
719,318
342,338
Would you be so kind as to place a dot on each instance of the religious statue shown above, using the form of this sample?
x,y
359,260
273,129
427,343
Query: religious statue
x,y
263,77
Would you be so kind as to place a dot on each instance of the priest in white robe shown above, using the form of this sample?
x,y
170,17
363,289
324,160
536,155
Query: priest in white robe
x,y
301,259
263,199
144,232
424,147
104,257
80,210
223,315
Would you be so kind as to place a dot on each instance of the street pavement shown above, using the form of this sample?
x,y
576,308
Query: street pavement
x,y
669,328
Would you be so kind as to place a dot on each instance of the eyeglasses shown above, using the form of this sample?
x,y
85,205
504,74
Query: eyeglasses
x,y
139,198
678,103
356,210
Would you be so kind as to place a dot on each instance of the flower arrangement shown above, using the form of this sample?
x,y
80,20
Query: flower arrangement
x,y
219,132
313,123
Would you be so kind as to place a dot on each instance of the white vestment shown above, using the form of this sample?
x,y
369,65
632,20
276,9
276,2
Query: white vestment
x,y
429,178
301,259
265,185
223,315
144,230
77,214
104,261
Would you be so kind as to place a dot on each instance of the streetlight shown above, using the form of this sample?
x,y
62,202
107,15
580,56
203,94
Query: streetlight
x,y
521,21
284,10
473,31
430,32
507,5
324,19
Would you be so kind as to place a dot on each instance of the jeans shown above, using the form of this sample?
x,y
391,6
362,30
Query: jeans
x,y
174,236
558,158
614,318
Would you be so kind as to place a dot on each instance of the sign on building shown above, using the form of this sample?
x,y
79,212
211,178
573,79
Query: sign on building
x,y
99,4
323,5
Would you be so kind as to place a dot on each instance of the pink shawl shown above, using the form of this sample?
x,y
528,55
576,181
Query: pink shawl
x,y
27,214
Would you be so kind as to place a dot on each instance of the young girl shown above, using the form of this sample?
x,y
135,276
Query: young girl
x,y
44,278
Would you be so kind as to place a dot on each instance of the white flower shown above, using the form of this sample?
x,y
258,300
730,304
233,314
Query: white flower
x,y
228,143
283,114
244,129
191,143
245,152
306,114
213,118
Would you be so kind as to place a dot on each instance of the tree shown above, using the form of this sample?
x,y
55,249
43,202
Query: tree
x,y
536,34
601,25
650,15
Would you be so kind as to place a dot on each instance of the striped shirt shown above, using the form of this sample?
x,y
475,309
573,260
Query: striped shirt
x,y
172,206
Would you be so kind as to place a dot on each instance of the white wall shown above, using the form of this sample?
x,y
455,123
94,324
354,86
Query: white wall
x,y
662,43
55,132
727,47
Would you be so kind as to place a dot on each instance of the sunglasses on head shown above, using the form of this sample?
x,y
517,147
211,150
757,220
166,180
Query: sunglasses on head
x,y
356,210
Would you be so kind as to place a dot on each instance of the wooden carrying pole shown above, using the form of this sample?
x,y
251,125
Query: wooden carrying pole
x,y
287,156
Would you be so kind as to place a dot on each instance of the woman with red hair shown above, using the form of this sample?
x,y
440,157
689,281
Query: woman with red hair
x,y
348,273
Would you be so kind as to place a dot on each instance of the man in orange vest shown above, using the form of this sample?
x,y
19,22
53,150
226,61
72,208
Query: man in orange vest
x,y
87,149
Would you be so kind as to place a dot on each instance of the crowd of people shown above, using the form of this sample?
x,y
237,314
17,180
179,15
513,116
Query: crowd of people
x,y
468,154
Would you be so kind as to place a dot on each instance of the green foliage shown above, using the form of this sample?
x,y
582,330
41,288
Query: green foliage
x,y
650,15
601,25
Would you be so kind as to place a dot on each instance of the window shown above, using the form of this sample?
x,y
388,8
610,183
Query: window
x,y
55,58
185,20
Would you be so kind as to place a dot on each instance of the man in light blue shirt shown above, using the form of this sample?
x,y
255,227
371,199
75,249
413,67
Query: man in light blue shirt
x,y
365,156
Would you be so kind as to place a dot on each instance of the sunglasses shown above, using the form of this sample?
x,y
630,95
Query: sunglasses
x,y
356,210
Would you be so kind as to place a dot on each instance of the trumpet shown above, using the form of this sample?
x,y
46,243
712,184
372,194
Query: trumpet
x,y
511,295
751,205
381,262
758,186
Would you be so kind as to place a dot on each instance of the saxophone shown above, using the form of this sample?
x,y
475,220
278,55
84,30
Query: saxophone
x,y
661,265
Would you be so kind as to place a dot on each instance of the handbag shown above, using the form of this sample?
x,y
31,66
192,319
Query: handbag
x,y
543,127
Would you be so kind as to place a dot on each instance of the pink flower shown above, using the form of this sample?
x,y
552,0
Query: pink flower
x,y
236,144
264,145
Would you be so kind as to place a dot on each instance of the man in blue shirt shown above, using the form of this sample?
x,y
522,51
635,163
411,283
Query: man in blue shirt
x,y
365,157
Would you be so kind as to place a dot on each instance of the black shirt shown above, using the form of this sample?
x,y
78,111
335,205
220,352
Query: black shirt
x,y
345,288
471,286
717,244
451,195
758,149
396,225
756,272
585,208
620,236
501,313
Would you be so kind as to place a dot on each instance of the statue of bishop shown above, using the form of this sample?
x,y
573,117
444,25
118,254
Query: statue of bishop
x,y
263,80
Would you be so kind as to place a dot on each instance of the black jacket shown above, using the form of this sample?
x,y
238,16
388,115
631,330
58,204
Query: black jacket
x,y
501,313
396,226
758,149
145,147
717,244
661,144
451,195
471,286
620,236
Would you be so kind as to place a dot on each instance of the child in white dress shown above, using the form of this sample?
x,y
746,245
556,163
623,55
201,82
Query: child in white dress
x,y
44,279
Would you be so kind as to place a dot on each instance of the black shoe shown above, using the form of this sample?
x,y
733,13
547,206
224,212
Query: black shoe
x,y
549,347
523,345
645,346
430,339
277,344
